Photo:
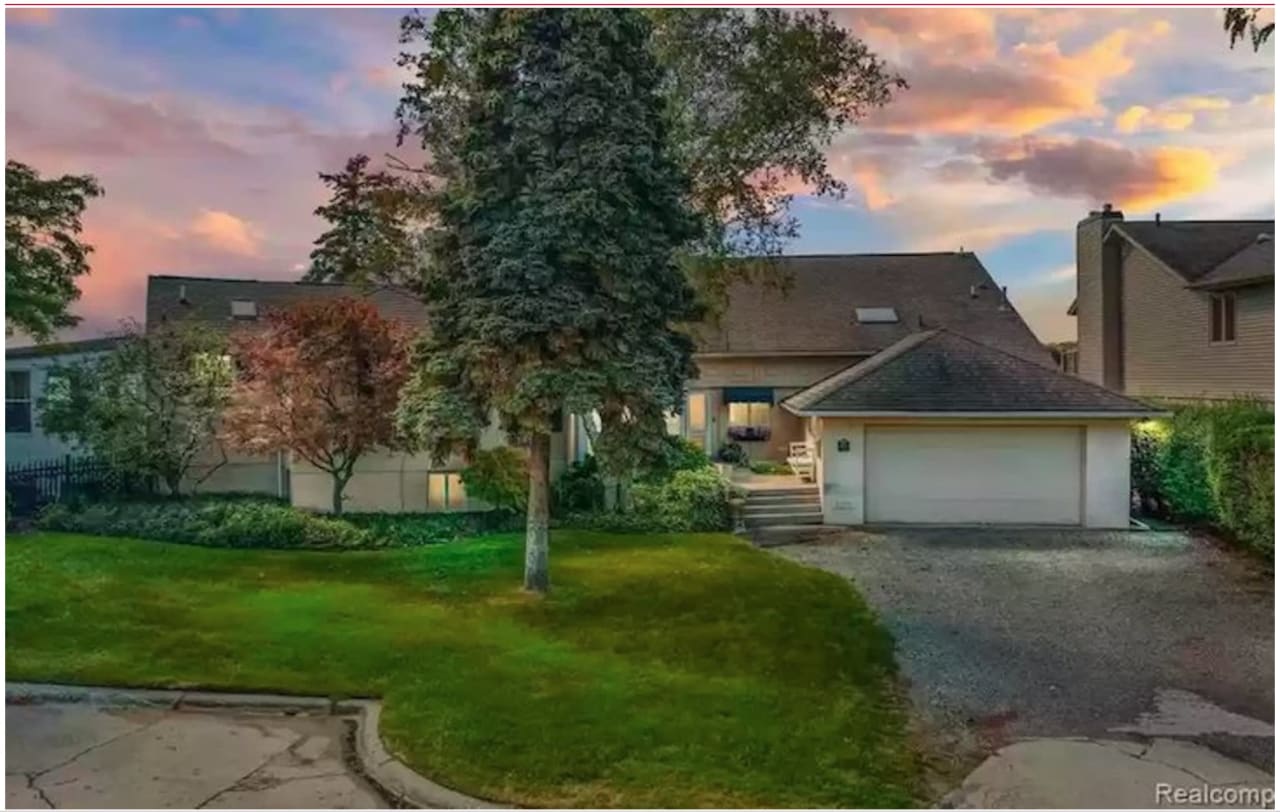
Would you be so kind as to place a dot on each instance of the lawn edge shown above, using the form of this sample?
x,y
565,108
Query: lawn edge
x,y
379,766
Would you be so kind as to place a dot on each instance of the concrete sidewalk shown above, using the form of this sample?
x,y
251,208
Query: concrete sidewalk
x,y
75,756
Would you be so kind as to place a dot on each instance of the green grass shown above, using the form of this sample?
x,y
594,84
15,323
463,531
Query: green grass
x,y
681,670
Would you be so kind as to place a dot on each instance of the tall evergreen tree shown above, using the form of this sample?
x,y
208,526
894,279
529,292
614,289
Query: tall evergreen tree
x,y
371,240
554,284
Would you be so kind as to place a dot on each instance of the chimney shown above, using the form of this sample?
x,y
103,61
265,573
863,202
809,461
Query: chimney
x,y
1098,314
1157,219
1004,298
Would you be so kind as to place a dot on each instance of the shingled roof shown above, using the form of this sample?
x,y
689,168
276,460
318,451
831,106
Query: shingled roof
x,y
1195,248
208,299
942,372
1254,263
815,311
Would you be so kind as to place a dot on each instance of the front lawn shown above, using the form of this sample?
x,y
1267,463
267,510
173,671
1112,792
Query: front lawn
x,y
681,670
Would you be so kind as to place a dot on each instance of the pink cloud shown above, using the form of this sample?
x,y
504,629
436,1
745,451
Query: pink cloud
x,y
226,232
29,16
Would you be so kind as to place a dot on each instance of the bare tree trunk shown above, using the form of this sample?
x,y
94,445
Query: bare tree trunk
x,y
339,484
537,575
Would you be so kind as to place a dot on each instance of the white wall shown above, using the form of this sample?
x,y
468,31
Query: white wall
x,y
1106,475
842,471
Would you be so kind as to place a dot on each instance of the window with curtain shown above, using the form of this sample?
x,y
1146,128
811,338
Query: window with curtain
x,y
445,491
1223,316
749,422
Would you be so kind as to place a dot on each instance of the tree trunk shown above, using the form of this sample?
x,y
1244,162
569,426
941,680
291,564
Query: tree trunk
x,y
339,485
537,576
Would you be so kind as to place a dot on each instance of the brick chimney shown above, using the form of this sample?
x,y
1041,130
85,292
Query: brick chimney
x,y
1098,299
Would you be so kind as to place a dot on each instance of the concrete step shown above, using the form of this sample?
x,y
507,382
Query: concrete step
x,y
789,519
795,499
783,492
774,510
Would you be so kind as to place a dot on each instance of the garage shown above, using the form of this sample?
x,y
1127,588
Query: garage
x,y
940,429
974,474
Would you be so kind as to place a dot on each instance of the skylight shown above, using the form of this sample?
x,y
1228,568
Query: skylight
x,y
244,309
876,315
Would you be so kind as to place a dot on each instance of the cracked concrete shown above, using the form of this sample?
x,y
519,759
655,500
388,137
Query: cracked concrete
x,y
86,756
1106,774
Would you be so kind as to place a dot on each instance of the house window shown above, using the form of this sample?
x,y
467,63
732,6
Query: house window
x,y
749,422
445,491
1222,309
17,402
876,315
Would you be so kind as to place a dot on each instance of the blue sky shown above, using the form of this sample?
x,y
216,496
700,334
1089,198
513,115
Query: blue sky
x,y
208,127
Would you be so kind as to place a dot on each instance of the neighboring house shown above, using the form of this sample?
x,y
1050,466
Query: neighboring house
x,y
921,391
28,371
1183,310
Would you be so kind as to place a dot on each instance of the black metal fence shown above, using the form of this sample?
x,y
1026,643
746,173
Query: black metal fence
x,y
32,485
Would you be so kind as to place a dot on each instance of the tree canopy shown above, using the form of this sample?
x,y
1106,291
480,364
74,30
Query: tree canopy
x,y
321,380
752,99
554,283
150,406
43,252
372,239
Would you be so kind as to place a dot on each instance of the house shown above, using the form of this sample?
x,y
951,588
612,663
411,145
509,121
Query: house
x,y
969,422
28,373
1182,310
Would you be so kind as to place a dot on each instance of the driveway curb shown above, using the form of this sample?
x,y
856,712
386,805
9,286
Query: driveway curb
x,y
379,765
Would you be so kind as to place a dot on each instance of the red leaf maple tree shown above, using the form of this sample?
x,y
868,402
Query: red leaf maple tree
x,y
320,380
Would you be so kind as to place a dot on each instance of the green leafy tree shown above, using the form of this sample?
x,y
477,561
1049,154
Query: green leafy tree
x,y
372,239
754,97
150,406
554,283
43,253
1242,23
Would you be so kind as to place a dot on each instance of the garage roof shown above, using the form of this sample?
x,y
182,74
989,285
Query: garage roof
x,y
940,372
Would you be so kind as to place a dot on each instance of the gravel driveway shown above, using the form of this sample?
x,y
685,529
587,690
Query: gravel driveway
x,y
1071,633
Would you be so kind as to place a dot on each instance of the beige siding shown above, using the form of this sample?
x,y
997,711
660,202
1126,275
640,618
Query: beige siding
x,y
1167,352
794,372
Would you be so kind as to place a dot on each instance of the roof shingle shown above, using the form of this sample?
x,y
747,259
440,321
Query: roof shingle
x,y
939,371
1193,248
815,311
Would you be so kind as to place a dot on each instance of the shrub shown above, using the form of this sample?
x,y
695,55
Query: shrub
x,y
732,453
580,489
696,500
419,529
1211,465
678,455
499,477
770,467
209,522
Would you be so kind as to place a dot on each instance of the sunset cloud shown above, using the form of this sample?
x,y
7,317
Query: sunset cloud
x,y
226,232
1096,170
1171,116
29,16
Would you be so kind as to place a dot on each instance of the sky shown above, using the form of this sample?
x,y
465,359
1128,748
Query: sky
x,y
207,129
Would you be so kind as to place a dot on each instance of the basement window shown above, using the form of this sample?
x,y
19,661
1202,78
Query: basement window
x,y
876,315
244,309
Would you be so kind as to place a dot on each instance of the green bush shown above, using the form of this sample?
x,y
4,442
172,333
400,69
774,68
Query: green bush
x,y
732,453
499,477
580,489
770,467
696,500
419,529
1211,465
678,455
209,522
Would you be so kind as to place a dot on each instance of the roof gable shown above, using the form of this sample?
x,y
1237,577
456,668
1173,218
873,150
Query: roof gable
x,y
1192,248
815,311
939,371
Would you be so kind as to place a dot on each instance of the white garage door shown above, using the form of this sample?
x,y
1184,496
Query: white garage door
x,y
963,475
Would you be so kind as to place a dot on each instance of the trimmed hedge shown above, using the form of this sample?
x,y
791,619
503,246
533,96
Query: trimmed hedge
x,y
1211,465
216,521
